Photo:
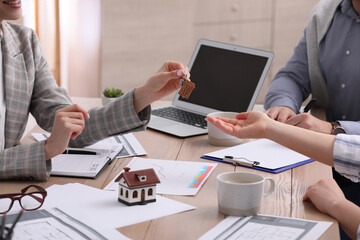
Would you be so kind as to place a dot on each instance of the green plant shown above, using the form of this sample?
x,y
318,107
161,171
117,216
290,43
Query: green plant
x,y
113,92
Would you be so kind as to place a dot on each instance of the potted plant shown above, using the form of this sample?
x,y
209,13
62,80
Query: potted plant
x,y
110,94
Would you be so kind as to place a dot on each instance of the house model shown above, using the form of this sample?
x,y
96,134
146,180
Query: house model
x,y
137,187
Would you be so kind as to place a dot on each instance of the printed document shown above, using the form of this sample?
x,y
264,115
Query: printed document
x,y
176,177
54,224
260,227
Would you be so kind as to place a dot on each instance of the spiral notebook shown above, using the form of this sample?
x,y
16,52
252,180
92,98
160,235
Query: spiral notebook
x,y
270,156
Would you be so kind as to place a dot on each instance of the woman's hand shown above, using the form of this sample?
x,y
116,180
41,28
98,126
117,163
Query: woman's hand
x,y
325,195
252,124
164,82
68,124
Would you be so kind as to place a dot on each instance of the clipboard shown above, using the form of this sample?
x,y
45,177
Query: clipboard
x,y
277,170
268,155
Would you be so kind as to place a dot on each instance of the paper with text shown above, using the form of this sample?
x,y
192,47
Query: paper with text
x,y
260,227
54,224
177,177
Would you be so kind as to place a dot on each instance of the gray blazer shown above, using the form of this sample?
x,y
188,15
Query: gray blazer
x,y
30,88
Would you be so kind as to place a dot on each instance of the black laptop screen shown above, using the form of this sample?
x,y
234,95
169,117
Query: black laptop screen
x,y
225,80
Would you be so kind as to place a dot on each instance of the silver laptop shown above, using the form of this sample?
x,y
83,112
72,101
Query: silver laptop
x,y
227,78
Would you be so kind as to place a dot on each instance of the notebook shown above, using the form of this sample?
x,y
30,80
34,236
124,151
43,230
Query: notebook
x,y
89,161
227,78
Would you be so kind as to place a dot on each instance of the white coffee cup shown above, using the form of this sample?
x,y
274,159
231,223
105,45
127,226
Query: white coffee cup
x,y
218,137
241,193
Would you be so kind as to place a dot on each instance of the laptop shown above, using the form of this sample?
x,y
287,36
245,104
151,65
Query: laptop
x,y
227,78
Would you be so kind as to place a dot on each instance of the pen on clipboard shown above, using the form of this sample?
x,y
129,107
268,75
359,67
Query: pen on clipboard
x,y
240,161
310,105
81,152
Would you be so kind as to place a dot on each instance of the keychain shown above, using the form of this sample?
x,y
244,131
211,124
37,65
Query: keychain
x,y
187,87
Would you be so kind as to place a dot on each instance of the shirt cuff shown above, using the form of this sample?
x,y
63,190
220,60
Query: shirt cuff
x,y
351,127
347,156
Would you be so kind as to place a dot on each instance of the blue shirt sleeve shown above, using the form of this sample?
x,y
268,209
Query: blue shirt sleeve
x,y
291,85
347,156
351,127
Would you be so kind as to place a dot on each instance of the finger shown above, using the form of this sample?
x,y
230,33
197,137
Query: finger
x,y
228,120
224,126
282,116
306,196
70,115
225,120
242,115
75,108
77,122
272,113
181,73
75,131
173,65
294,121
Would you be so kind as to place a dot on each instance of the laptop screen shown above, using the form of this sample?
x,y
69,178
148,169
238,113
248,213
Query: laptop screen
x,y
226,80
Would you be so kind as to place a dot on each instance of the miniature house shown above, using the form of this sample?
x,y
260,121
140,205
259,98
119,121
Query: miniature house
x,y
137,187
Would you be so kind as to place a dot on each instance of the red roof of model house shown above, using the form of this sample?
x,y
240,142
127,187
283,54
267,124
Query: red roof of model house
x,y
139,178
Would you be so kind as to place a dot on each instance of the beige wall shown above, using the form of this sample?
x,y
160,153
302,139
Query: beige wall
x,y
80,37
138,35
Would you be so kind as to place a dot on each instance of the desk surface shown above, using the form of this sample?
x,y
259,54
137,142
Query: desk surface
x,y
285,201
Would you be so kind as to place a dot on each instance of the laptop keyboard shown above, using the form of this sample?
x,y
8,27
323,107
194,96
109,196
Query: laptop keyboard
x,y
181,116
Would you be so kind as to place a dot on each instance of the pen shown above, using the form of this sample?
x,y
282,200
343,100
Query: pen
x,y
3,221
310,105
9,233
83,152
240,161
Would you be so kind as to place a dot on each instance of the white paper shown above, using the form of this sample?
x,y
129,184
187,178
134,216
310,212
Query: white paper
x,y
266,227
270,154
131,146
55,224
177,177
92,206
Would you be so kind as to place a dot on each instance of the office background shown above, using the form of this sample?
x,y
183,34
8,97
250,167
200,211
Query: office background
x,y
94,44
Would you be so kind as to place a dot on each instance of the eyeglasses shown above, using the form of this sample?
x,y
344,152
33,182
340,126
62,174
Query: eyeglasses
x,y
31,198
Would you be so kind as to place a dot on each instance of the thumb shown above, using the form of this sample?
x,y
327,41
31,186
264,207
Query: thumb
x,y
164,77
305,197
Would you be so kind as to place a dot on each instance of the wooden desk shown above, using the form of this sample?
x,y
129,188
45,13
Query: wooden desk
x,y
286,200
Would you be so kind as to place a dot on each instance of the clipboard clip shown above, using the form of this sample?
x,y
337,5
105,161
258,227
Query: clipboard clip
x,y
240,161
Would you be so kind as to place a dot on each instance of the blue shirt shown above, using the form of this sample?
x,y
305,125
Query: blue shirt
x,y
339,55
347,156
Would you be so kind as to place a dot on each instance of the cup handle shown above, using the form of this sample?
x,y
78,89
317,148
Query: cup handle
x,y
271,188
